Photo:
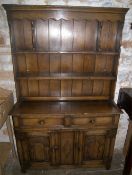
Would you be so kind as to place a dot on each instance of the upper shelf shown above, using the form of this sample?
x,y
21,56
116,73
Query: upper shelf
x,y
66,52
42,75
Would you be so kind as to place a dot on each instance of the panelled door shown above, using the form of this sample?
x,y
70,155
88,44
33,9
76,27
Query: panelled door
x,y
33,148
82,147
66,147
98,147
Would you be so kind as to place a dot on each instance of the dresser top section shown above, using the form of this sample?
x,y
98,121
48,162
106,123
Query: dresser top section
x,y
65,107
65,53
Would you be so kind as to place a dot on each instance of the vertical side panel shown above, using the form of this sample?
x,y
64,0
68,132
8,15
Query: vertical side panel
x,y
97,87
18,31
54,35
44,87
79,35
107,39
91,35
78,63
66,63
115,69
106,88
119,35
89,63
55,88
109,64
110,142
77,88
55,63
21,63
23,88
41,27
66,35
32,63
19,143
43,63
66,86
87,87
27,35
104,63
100,63
33,88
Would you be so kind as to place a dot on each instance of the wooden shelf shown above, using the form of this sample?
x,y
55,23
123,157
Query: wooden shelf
x,y
67,52
72,98
65,107
66,76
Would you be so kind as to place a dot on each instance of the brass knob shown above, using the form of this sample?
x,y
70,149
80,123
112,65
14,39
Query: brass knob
x,y
92,121
41,122
54,148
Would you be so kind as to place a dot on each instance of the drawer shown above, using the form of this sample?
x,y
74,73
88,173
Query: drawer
x,y
92,121
63,121
37,122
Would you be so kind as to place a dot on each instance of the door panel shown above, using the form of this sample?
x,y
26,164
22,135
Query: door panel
x,y
55,147
67,147
62,144
93,147
39,149
97,146
33,147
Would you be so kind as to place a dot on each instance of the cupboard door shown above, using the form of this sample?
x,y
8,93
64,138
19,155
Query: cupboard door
x,y
97,147
39,148
62,146
66,147
33,148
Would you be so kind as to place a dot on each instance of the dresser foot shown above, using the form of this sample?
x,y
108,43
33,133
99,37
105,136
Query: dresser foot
x,y
23,170
108,164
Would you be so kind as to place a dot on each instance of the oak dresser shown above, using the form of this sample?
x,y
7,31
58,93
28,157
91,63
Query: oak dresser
x,y
65,68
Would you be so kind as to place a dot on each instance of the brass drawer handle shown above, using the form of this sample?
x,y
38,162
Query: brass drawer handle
x,y
92,121
54,148
41,122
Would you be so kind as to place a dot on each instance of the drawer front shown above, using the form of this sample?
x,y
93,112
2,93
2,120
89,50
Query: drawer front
x,y
92,121
81,121
38,122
